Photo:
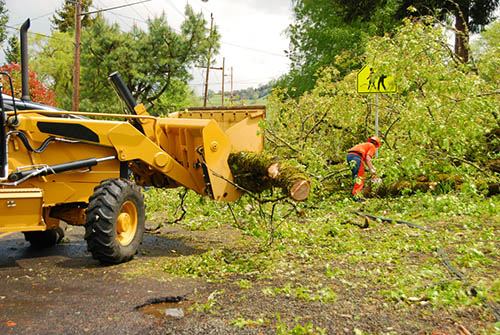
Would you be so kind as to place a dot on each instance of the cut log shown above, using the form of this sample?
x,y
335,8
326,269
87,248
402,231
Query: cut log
x,y
257,172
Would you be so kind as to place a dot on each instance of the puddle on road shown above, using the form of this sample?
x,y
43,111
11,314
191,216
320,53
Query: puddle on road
x,y
167,308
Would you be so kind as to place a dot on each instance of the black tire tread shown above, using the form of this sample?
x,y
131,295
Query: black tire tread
x,y
100,224
44,239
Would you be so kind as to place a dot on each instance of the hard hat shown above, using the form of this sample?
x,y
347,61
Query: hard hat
x,y
375,140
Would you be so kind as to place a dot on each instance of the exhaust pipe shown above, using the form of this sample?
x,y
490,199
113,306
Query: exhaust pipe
x,y
123,91
24,61
126,96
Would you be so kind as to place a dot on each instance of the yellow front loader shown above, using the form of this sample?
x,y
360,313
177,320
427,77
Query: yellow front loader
x,y
59,167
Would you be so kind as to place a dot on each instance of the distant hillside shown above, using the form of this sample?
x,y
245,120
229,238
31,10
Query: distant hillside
x,y
248,96
253,93
216,100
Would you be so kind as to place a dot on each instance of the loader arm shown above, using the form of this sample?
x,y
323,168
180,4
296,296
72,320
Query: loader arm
x,y
182,148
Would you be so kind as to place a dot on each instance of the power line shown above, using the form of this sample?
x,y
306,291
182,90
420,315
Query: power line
x,y
125,23
147,8
40,34
254,49
128,17
212,83
135,10
38,17
176,9
116,7
222,42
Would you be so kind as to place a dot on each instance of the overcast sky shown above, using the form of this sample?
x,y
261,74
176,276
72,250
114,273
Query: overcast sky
x,y
252,32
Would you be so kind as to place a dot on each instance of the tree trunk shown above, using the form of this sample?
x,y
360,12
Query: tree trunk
x,y
462,34
257,172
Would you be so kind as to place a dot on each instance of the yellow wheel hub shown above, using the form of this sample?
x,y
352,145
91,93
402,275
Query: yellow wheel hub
x,y
126,223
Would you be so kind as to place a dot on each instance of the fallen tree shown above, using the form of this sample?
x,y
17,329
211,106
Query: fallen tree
x,y
257,172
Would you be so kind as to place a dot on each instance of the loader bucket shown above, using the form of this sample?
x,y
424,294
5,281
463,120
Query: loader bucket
x,y
240,123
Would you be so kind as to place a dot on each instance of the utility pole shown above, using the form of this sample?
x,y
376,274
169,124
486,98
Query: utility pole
x,y
228,75
206,83
231,75
208,60
78,37
223,66
76,67
232,101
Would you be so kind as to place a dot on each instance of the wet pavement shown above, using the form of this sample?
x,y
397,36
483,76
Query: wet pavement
x,y
62,290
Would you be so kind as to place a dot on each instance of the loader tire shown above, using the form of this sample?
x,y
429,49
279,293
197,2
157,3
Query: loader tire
x,y
47,238
115,221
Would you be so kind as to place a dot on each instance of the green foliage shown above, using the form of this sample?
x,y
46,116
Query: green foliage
x,y
477,14
297,329
216,264
490,37
152,63
253,93
469,16
4,18
64,18
310,253
325,258
13,51
216,100
324,30
242,322
320,293
52,59
435,124
487,50
211,302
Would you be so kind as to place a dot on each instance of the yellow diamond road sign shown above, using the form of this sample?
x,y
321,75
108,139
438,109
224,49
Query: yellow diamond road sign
x,y
369,81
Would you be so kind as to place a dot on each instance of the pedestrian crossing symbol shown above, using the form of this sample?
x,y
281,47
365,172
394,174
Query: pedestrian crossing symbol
x,y
369,81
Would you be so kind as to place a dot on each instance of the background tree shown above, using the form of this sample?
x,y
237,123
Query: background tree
x,y
4,18
471,16
327,32
52,59
439,126
487,53
152,63
38,92
64,18
13,51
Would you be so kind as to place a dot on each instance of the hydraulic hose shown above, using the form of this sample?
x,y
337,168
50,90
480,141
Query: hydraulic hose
x,y
57,168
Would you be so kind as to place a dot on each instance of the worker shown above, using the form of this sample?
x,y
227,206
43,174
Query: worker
x,y
357,157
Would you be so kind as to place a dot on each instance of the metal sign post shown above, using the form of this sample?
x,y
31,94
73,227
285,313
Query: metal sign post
x,y
376,122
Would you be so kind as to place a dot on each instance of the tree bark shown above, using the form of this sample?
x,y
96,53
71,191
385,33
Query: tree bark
x,y
257,172
462,34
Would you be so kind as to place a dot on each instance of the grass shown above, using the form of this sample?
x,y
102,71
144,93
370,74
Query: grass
x,y
320,254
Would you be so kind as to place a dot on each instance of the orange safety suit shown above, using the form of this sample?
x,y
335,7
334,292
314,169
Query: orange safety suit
x,y
358,170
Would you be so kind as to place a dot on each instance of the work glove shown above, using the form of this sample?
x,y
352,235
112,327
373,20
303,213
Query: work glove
x,y
376,180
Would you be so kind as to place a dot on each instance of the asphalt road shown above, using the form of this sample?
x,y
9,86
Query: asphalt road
x,y
62,290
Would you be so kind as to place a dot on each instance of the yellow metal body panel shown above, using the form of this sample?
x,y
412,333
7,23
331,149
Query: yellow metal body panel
x,y
21,210
174,148
240,123
71,186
